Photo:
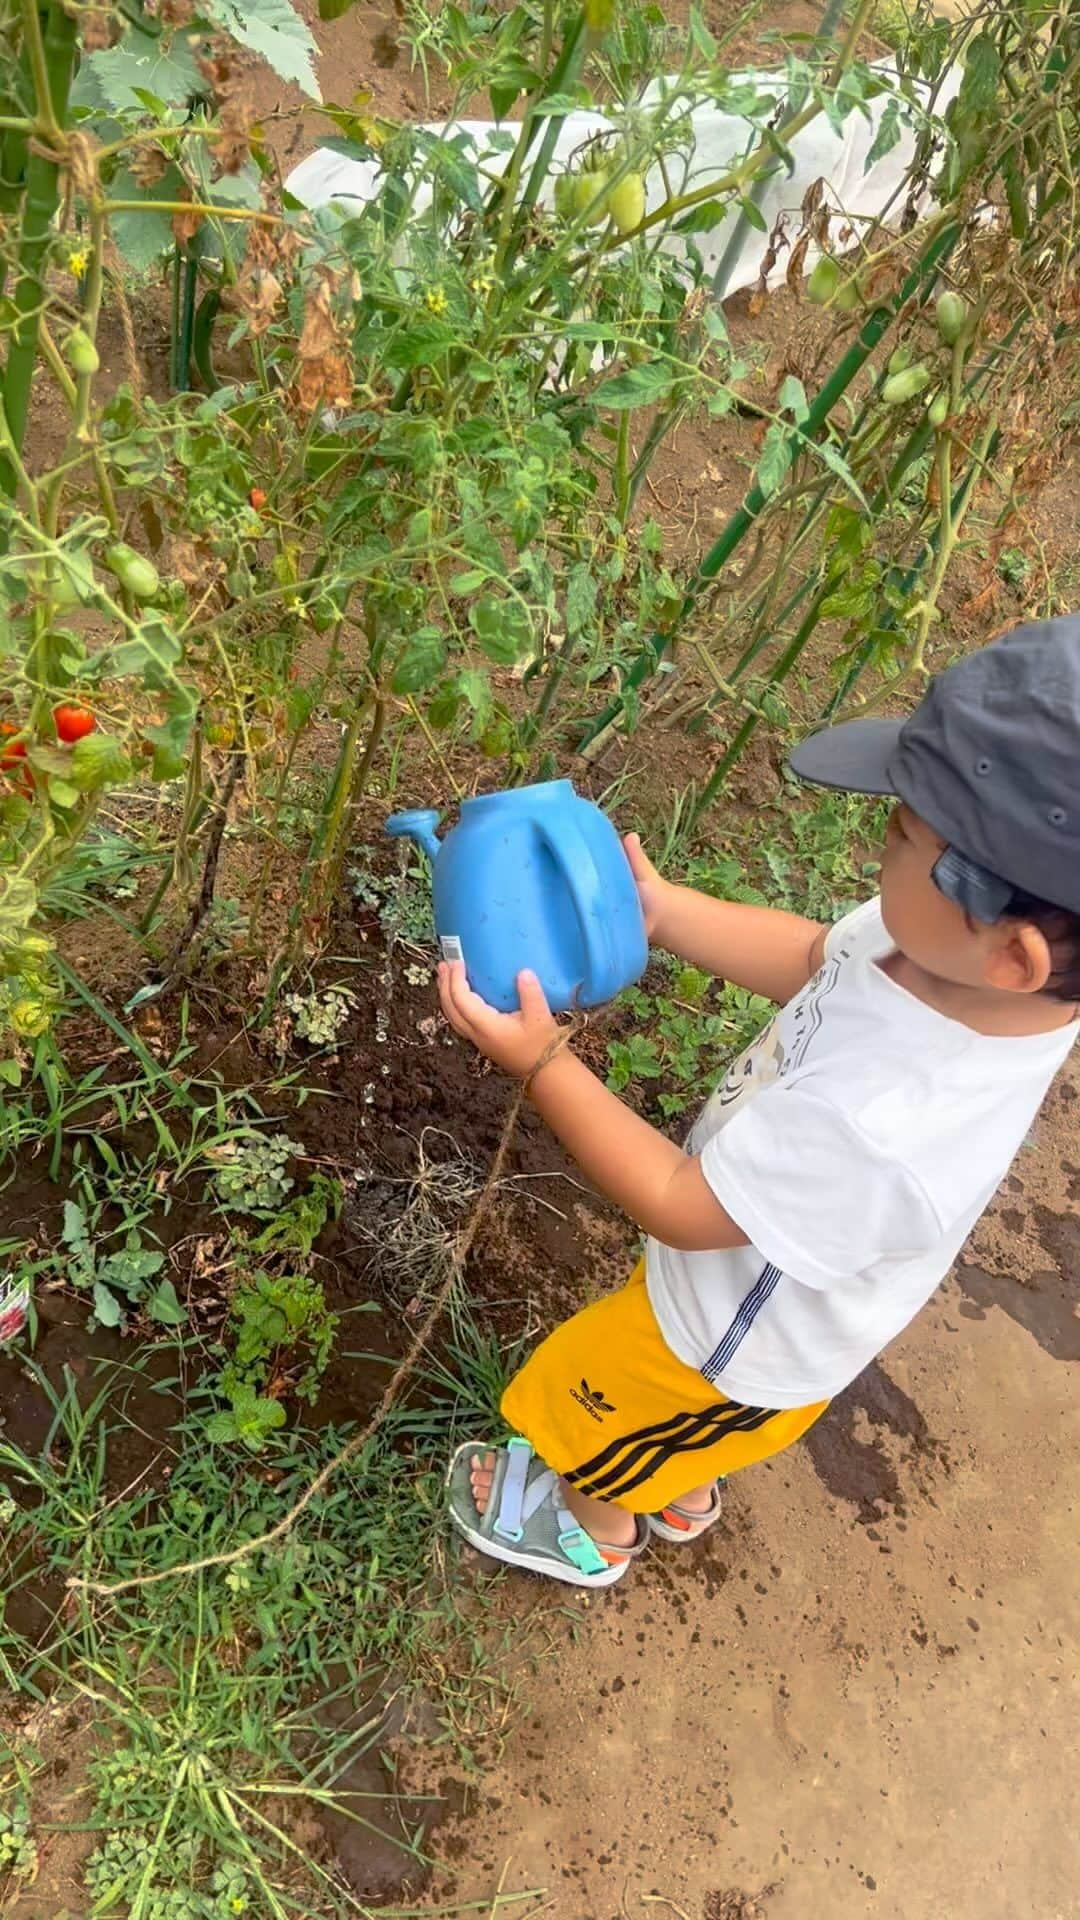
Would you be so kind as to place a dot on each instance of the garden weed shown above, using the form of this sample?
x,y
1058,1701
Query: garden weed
x,y
689,1027
211,1702
319,1017
402,901
250,1176
18,1850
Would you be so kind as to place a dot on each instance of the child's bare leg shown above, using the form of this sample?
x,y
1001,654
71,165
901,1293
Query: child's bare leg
x,y
698,1500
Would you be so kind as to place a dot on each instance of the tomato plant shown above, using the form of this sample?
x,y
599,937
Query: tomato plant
x,y
453,392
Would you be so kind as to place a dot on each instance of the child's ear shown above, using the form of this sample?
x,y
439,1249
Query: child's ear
x,y
1019,960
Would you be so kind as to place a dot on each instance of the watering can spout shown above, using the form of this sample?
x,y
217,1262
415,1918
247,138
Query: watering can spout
x,y
419,824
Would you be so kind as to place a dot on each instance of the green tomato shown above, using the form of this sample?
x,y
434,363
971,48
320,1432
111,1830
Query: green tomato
x,y
951,314
626,203
587,186
904,386
566,196
81,354
134,571
938,411
849,295
823,282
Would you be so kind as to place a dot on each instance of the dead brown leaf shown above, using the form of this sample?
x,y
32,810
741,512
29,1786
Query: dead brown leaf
x,y
98,28
257,294
324,377
326,382
185,225
147,166
230,76
320,332
795,265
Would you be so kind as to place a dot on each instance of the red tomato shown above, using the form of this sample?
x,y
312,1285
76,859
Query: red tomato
x,y
73,723
16,751
257,498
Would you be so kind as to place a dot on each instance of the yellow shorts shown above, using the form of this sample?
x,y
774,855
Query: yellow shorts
x,y
606,1403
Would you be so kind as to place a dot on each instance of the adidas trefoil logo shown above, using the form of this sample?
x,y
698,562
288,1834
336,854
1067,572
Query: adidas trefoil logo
x,y
592,1399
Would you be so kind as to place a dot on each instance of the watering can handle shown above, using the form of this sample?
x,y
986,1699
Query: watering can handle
x,y
581,876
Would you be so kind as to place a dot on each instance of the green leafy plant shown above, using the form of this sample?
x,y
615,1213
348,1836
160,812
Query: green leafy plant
x,y
18,1850
272,1318
401,900
432,447
320,1016
248,1420
250,1175
297,1224
689,1029
118,1279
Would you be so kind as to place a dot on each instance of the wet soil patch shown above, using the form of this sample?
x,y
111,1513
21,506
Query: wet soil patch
x,y
1045,1304
871,1474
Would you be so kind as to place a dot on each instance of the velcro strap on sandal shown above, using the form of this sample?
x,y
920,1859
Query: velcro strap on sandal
x,y
512,1492
580,1550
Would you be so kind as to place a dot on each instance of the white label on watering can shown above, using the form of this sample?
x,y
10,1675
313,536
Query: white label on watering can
x,y
451,947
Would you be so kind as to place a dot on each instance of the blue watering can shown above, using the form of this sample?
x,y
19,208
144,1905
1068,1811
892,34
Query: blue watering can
x,y
534,877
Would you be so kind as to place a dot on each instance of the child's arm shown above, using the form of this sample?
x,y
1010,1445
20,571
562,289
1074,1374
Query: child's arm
x,y
662,1188
769,952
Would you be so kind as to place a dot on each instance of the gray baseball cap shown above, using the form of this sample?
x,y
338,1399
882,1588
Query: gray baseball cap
x,y
990,759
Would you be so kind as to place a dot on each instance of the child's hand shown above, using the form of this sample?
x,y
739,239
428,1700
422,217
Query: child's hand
x,y
514,1041
653,889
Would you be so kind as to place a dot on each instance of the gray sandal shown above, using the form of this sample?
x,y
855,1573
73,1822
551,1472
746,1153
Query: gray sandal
x,y
682,1524
526,1523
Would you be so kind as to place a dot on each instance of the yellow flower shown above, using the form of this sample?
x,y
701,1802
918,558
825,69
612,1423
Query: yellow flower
x,y
435,300
78,261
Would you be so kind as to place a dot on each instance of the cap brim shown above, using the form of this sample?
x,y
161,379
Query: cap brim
x,y
853,758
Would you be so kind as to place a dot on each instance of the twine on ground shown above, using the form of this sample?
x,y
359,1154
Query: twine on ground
x,y
455,1267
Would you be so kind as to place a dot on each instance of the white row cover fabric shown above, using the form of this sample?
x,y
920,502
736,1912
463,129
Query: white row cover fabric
x,y
714,141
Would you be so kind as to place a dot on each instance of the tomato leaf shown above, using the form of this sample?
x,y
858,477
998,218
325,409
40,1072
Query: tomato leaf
x,y
421,661
637,387
502,628
776,452
752,214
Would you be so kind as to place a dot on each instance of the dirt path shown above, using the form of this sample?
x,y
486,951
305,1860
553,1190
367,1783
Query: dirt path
x,y
859,1696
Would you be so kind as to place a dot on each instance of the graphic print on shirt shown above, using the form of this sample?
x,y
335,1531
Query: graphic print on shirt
x,y
759,1066
807,1011
767,1059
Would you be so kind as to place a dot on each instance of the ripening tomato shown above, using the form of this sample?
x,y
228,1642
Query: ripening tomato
x,y
73,723
257,498
10,755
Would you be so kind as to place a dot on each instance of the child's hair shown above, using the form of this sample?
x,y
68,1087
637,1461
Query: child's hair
x,y
1060,928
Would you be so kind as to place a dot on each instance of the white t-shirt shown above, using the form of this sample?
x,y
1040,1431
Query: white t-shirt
x,y
856,1143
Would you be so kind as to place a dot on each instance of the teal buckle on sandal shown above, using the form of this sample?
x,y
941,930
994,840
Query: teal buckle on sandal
x,y
581,1551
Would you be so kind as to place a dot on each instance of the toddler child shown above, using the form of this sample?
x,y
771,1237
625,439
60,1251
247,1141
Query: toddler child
x,y
834,1176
